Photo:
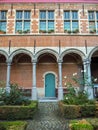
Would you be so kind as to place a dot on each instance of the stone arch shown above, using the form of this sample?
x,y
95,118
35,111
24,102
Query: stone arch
x,y
25,51
50,51
4,53
92,52
73,50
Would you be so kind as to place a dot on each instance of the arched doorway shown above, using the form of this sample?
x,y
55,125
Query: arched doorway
x,y
49,85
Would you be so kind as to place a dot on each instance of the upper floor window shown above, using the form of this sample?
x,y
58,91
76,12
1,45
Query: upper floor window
x,y
71,22
23,21
3,21
46,21
93,21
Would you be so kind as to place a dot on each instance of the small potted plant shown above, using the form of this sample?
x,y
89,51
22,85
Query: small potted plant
x,y
2,32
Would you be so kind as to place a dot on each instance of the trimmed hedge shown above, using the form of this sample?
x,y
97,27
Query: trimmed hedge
x,y
15,125
18,112
69,111
93,122
77,111
80,125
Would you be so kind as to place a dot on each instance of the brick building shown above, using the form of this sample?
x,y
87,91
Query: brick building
x,y
41,41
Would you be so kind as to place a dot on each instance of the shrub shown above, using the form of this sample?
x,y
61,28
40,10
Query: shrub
x,y
18,112
88,110
93,122
15,125
80,125
15,97
69,111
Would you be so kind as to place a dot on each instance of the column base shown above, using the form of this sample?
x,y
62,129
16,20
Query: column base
x,y
60,93
89,91
8,89
34,94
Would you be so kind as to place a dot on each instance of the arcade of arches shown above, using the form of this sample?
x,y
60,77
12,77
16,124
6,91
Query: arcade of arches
x,y
44,77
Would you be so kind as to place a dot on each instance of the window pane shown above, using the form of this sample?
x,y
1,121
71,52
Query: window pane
x,y
50,25
18,25
91,15
67,15
97,15
51,15
26,25
3,26
42,25
97,28
74,25
67,25
42,14
3,15
74,15
19,15
27,15
91,25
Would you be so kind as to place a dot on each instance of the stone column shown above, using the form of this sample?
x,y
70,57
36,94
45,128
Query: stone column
x,y
8,77
88,85
60,88
34,89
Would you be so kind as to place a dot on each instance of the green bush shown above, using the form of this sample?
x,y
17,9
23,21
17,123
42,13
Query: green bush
x,y
18,112
75,111
80,125
15,125
15,97
88,110
93,122
69,111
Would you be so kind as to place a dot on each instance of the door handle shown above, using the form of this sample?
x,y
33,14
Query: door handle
x,y
45,85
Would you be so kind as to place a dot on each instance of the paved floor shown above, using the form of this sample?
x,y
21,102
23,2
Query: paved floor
x,y
48,118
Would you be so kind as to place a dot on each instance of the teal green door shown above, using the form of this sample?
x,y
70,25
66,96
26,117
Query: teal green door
x,y
50,85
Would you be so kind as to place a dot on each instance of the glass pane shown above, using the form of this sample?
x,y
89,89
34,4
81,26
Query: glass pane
x,y
51,15
27,15
42,25
42,14
74,26
67,25
97,15
18,25
26,26
92,25
3,15
19,15
74,15
66,15
91,15
50,25
97,28
3,26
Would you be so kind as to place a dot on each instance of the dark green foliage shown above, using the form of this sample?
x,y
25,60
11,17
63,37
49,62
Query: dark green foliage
x,y
18,112
3,127
15,97
77,98
88,110
77,111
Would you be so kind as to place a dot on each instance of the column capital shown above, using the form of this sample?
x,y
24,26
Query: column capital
x,y
34,61
86,61
8,63
60,61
